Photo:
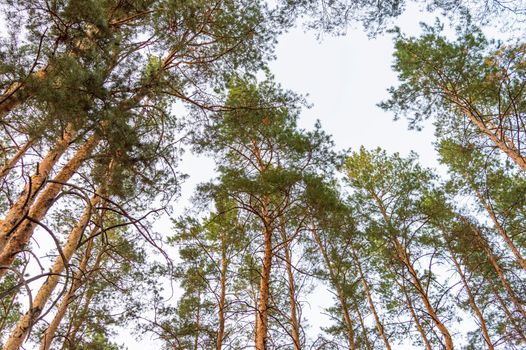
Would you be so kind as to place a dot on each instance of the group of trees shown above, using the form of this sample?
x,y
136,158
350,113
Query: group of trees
x,y
99,99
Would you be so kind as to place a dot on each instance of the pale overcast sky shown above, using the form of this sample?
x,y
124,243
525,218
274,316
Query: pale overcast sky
x,y
344,77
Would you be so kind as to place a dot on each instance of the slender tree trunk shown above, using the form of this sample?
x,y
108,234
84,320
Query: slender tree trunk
x,y
222,294
27,321
425,299
78,280
22,235
379,325
197,322
504,143
19,209
498,226
471,299
419,327
498,269
403,256
339,292
364,328
78,320
294,322
262,307
508,313
15,95
11,163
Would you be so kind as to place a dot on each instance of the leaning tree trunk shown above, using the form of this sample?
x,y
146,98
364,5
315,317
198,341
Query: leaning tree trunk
x,y
378,322
471,298
11,163
511,317
349,330
78,280
416,320
503,142
20,208
500,229
22,235
27,321
403,256
496,266
15,94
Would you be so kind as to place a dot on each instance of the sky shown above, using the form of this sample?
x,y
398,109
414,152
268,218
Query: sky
x,y
344,77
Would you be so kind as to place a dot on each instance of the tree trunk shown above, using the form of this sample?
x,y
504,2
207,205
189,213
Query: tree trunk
x,y
368,345
379,325
27,321
294,322
78,320
19,209
22,235
15,95
78,280
498,226
471,299
222,294
262,307
10,164
419,327
403,256
496,266
508,313
506,145
339,292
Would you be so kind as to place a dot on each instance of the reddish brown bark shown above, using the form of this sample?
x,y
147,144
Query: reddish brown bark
x,y
403,256
23,233
11,163
78,280
20,208
262,307
486,127
294,322
471,298
378,322
496,266
349,326
39,302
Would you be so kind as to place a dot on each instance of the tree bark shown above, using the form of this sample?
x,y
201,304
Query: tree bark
x,y
368,345
262,307
11,163
508,313
378,322
419,327
496,266
22,235
27,321
471,299
403,256
506,145
78,280
339,292
15,95
294,322
498,226
19,209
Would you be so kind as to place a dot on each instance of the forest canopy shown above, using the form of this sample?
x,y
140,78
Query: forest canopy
x,y
100,99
